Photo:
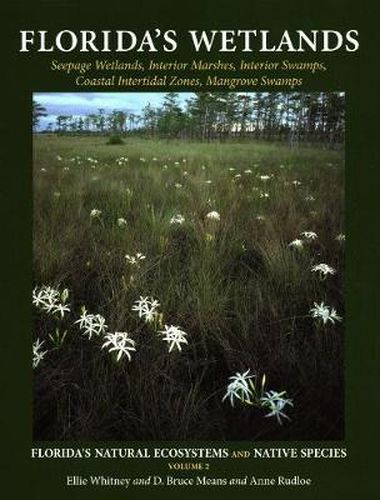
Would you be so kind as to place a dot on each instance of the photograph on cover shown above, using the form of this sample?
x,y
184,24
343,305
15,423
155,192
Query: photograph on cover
x,y
188,260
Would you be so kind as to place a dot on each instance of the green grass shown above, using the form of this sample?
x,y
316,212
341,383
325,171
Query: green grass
x,y
238,290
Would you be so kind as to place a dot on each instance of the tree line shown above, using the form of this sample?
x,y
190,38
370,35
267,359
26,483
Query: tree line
x,y
206,116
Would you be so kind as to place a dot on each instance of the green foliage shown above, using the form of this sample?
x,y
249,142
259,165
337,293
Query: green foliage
x,y
115,139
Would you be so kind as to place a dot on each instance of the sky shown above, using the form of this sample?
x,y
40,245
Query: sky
x,y
85,103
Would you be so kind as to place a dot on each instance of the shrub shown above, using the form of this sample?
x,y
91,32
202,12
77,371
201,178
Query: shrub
x,y
115,139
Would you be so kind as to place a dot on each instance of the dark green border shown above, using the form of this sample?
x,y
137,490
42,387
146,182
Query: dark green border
x,y
353,73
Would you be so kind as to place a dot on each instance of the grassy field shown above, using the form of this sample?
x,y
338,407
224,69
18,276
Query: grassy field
x,y
235,286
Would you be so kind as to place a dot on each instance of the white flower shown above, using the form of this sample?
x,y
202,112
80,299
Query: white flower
x,y
50,300
232,169
264,177
38,355
121,222
260,217
134,260
120,342
91,324
325,313
341,237
146,307
59,158
45,297
296,183
264,195
323,270
248,171
309,235
61,309
309,197
296,243
239,388
213,215
95,213
177,219
177,185
275,402
174,336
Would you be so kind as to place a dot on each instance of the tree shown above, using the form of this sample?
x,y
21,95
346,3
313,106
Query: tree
x,y
37,112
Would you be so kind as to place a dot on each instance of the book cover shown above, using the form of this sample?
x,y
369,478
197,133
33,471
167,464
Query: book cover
x,y
189,250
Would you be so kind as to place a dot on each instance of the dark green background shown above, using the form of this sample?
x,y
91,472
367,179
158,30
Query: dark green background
x,y
353,73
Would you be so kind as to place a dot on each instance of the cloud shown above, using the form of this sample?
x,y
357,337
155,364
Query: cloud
x,y
85,103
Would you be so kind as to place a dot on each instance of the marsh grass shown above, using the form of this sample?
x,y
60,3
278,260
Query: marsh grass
x,y
238,290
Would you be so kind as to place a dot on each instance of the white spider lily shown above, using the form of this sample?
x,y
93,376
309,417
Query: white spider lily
x,y
146,307
38,355
213,215
174,336
134,260
95,213
341,237
325,313
239,388
297,243
177,219
61,309
121,343
91,324
309,235
275,402
323,269
45,297
121,222
264,196
51,300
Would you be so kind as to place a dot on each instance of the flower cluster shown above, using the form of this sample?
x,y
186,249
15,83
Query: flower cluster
x,y
135,260
243,389
146,307
119,342
174,336
121,222
297,243
309,235
239,388
275,402
91,324
323,269
51,300
121,161
213,216
95,213
324,313
306,237
177,219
